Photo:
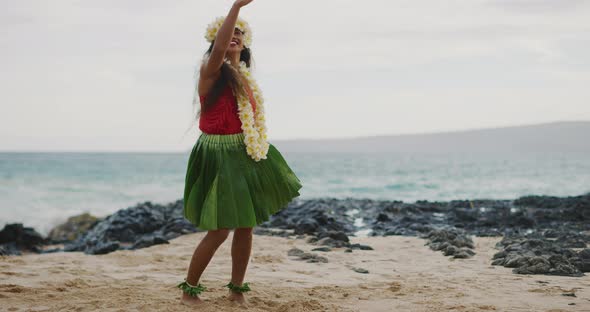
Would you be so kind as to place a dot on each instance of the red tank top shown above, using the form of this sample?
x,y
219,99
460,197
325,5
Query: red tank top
x,y
222,117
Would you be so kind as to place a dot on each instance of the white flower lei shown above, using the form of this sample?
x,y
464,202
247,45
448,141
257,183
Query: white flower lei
x,y
253,122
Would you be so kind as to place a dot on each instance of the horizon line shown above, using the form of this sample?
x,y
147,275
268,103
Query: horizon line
x,y
309,139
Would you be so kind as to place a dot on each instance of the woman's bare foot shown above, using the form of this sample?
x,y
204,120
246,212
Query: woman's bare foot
x,y
237,297
190,301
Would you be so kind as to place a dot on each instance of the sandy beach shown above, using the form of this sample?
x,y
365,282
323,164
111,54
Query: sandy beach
x,y
404,275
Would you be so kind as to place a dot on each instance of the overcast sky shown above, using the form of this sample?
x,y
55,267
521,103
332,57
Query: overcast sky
x,y
119,75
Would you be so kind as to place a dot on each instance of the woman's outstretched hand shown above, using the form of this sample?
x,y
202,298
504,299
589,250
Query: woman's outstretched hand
x,y
241,3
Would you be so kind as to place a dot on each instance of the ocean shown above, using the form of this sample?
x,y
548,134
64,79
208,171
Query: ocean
x,y
43,189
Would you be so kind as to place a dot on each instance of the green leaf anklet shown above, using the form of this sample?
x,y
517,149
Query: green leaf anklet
x,y
190,289
240,289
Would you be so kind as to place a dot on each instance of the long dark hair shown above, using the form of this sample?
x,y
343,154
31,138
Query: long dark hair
x,y
228,76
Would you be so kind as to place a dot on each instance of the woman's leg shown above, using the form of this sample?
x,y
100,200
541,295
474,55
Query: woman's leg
x,y
241,249
203,254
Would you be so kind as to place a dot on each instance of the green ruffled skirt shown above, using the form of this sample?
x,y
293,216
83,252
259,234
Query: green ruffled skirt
x,y
226,188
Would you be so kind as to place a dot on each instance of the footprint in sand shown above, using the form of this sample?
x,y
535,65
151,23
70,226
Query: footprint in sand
x,y
267,259
394,287
12,288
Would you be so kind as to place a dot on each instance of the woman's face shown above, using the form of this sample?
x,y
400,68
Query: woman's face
x,y
236,45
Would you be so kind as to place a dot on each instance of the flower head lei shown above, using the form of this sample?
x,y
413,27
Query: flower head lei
x,y
241,24
253,121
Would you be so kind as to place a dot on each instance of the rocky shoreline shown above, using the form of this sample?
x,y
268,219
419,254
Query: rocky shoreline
x,y
541,234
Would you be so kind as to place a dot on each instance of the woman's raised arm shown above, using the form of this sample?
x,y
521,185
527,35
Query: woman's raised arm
x,y
222,41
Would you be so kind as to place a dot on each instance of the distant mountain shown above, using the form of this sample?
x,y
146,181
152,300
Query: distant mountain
x,y
567,136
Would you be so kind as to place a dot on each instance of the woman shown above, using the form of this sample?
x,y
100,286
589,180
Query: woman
x,y
235,179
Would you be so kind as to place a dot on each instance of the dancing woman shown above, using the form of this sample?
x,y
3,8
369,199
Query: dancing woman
x,y
235,178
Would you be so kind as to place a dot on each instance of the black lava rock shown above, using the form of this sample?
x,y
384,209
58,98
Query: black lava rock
x,y
15,238
535,254
452,242
140,226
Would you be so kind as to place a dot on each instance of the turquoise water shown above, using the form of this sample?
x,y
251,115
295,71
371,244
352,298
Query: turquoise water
x,y
43,189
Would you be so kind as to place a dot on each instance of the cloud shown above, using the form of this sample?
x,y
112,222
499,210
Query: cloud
x,y
537,6
114,70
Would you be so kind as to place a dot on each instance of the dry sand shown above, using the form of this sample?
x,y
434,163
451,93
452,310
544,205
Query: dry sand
x,y
404,275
